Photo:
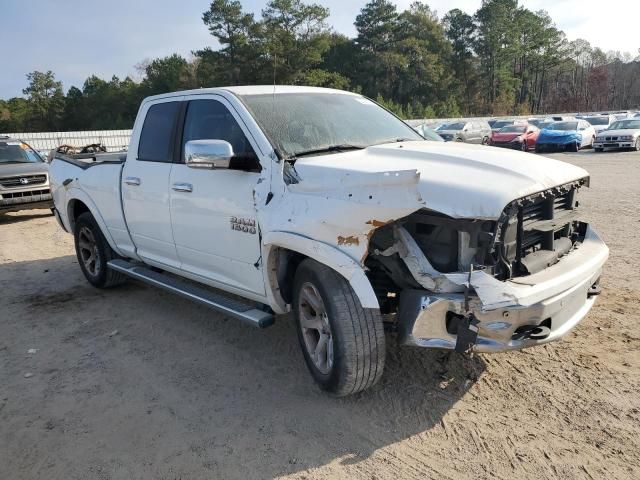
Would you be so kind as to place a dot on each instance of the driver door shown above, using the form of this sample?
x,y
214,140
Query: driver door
x,y
212,210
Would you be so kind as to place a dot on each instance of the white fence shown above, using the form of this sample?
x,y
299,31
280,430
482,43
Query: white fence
x,y
114,140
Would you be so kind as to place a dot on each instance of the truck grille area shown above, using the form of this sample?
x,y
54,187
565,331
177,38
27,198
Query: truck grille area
x,y
536,231
22,181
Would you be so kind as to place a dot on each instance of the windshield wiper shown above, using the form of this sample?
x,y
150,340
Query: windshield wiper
x,y
332,148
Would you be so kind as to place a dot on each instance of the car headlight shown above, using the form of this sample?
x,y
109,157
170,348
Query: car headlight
x,y
626,137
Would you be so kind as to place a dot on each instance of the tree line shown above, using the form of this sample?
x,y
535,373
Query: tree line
x,y
504,59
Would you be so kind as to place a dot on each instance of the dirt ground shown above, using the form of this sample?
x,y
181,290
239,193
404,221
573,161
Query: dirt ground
x,y
134,383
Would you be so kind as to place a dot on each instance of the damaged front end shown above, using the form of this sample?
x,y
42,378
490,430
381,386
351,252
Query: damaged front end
x,y
488,285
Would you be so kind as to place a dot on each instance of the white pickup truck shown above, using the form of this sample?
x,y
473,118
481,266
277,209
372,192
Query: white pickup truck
x,y
257,201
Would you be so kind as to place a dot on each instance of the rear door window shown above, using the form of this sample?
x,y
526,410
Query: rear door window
x,y
158,133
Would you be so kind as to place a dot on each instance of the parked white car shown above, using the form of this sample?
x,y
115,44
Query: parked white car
x,y
622,134
599,122
323,203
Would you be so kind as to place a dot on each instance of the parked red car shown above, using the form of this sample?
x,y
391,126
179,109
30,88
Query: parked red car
x,y
520,137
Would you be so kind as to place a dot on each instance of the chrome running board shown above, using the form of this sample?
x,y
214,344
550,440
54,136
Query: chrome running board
x,y
229,306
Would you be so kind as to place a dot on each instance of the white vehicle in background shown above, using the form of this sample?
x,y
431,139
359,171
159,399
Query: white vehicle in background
x,y
621,134
599,122
323,203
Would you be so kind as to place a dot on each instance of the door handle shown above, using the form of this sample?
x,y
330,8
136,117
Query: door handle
x,y
182,187
132,181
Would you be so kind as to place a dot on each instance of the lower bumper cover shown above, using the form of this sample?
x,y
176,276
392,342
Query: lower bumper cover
x,y
17,207
511,145
428,320
619,145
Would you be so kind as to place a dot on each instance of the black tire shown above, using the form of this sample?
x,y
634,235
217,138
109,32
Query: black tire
x,y
89,240
637,147
523,147
356,334
485,140
574,147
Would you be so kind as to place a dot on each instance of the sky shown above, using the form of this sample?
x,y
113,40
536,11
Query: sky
x,y
78,38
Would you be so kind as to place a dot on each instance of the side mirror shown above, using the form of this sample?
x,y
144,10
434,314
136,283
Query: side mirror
x,y
208,154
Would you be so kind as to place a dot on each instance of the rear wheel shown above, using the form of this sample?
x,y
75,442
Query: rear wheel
x,y
485,140
94,252
343,344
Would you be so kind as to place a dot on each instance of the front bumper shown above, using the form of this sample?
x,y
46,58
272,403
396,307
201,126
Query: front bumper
x,y
14,201
555,146
552,301
614,144
511,145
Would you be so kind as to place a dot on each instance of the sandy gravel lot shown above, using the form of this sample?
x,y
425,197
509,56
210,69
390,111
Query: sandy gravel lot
x,y
133,383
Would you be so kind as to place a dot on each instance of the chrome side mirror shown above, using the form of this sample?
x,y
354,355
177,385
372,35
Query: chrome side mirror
x,y
208,154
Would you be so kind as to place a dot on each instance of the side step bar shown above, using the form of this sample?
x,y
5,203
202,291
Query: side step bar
x,y
229,306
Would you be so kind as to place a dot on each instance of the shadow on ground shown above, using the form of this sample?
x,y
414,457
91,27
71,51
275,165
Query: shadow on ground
x,y
135,383
17,217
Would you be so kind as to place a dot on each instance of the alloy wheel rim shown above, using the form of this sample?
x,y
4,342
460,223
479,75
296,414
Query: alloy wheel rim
x,y
89,253
316,329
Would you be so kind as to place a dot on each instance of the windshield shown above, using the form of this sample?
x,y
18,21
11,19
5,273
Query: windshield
x,y
17,152
452,126
502,123
565,126
626,125
513,129
601,120
303,122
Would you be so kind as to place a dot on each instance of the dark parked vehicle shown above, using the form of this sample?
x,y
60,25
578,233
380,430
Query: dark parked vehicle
x,y
24,177
469,132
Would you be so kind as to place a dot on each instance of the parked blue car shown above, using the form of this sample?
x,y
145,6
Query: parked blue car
x,y
569,135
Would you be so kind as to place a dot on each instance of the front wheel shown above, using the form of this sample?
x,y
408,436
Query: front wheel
x,y
637,147
343,344
575,147
94,252
523,146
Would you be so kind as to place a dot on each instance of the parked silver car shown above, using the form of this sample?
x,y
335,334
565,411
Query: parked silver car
x,y
475,131
24,177
621,134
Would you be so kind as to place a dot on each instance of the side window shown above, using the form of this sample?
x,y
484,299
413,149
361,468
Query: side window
x,y
210,120
157,136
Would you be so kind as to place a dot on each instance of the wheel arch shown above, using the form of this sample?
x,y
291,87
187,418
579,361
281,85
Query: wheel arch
x,y
284,251
79,203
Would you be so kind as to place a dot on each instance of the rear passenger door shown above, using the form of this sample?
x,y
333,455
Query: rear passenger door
x,y
145,183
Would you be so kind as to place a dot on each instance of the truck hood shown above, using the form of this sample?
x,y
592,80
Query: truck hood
x,y
457,179
14,169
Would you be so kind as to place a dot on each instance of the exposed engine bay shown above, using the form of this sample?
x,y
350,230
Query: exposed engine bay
x,y
532,233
